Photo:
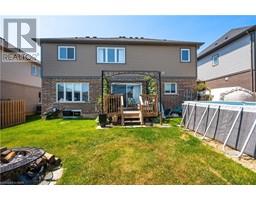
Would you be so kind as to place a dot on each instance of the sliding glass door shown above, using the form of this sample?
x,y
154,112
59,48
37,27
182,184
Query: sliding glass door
x,y
130,91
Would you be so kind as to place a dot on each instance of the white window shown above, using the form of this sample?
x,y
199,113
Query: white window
x,y
35,70
72,92
170,88
66,53
110,55
185,55
215,60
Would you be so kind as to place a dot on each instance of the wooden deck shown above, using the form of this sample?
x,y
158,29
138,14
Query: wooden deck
x,y
113,105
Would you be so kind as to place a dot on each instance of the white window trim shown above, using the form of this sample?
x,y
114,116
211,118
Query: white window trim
x,y
106,55
176,88
181,59
73,47
215,64
56,93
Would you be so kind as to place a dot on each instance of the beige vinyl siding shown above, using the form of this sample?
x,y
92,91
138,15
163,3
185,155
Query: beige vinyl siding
x,y
138,57
233,58
18,72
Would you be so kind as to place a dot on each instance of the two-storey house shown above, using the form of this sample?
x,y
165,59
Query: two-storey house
x,y
72,70
230,60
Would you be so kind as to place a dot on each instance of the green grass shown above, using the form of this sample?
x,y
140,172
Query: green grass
x,y
127,156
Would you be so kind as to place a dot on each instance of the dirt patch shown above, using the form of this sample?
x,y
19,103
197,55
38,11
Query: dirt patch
x,y
247,161
184,137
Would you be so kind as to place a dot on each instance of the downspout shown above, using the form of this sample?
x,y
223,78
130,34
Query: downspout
x,y
254,68
253,51
102,92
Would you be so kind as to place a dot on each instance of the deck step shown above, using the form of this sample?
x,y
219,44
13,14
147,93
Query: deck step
x,y
131,116
132,121
131,112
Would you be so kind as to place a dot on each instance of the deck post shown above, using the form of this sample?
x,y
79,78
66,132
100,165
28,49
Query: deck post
x,y
160,96
102,85
231,129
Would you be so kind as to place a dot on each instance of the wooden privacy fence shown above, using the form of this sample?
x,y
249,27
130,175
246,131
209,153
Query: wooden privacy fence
x,y
11,112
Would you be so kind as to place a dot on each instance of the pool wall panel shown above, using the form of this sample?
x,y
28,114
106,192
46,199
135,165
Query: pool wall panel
x,y
222,124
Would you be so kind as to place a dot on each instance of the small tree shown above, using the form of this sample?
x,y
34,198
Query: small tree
x,y
151,85
106,91
201,86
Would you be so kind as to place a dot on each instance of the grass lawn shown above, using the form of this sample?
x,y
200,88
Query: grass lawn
x,y
127,156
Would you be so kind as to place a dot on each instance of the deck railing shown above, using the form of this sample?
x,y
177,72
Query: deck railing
x,y
149,105
113,104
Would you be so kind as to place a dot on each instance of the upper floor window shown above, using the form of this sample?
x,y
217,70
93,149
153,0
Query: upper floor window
x,y
170,88
215,60
110,55
66,53
35,70
185,55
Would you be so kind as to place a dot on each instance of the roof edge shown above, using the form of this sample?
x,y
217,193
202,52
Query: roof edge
x,y
115,41
251,29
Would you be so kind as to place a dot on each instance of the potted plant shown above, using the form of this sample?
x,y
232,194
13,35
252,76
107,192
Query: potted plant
x,y
103,119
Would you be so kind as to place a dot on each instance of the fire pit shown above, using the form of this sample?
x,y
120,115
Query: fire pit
x,y
26,165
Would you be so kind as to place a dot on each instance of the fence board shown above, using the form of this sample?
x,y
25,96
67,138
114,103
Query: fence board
x,y
12,112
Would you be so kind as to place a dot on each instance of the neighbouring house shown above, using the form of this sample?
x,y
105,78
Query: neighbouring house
x,y
230,60
19,79
77,71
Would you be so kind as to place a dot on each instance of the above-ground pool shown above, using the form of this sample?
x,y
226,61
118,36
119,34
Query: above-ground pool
x,y
231,123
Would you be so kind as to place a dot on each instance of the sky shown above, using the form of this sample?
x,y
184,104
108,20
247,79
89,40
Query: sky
x,y
188,28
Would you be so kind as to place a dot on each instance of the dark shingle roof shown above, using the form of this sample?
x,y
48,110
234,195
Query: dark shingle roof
x,y
225,39
116,40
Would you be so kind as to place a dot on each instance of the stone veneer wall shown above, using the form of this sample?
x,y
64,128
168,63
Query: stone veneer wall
x,y
49,93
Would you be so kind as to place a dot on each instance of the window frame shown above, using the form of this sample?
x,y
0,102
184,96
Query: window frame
x,y
213,63
189,55
66,59
106,55
64,91
37,70
176,88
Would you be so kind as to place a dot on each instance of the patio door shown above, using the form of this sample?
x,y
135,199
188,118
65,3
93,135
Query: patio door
x,y
130,91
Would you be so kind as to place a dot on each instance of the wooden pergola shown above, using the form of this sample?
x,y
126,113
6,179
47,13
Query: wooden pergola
x,y
113,104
